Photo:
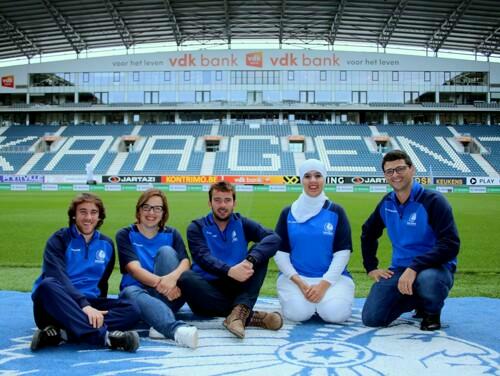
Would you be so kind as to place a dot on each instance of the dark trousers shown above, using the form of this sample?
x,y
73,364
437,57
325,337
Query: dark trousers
x,y
218,297
53,305
385,303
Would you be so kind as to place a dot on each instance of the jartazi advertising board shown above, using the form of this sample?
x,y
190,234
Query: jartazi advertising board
x,y
125,179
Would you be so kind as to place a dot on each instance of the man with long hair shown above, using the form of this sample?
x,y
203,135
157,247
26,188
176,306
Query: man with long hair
x,y
69,297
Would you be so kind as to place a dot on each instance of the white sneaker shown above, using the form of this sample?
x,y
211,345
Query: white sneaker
x,y
155,334
187,336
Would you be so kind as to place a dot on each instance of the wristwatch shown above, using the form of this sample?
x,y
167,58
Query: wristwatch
x,y
251,259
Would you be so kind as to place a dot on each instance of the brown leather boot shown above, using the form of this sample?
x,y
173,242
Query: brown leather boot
x,y
236,320
266,320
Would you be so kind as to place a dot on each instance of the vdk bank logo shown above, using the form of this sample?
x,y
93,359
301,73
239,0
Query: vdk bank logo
x,y
254,59
8,81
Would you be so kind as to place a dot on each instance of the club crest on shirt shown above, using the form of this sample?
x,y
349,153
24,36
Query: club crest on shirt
x,y
100,256
234,236
412,221
328,229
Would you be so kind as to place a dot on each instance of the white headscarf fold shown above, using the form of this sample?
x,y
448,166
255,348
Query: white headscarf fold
x,y
306,207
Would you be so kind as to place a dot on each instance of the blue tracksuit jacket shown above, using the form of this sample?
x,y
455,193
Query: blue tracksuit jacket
x,y
422,231
82,268
214,252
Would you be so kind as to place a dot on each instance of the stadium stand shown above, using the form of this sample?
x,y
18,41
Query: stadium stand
x,y
245,148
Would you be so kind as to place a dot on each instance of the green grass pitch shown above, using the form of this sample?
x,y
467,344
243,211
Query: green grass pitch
x,y
27,219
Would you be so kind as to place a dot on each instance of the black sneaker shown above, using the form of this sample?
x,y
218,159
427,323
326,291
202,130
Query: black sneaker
x,y
126,341
430,322
49,336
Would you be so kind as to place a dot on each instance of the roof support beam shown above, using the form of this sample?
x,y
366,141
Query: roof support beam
x,y
73,37
490,44
282,20
227,22
334,27
447,26
121,26
390,25
173,22
20,39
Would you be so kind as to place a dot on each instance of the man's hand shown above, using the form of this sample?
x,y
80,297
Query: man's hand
x,y
242,271
96,317
376,274
316,292
405,282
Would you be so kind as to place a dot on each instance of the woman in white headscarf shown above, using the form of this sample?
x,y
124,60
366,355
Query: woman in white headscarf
x,y
315,250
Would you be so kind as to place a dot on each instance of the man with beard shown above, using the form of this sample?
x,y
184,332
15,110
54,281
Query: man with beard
x,y
226,276
425,245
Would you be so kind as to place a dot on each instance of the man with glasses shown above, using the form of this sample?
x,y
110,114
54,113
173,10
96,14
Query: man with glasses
x,y
69,298
425,245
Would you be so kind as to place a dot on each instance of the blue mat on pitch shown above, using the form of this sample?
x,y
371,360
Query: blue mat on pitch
x,y
469,344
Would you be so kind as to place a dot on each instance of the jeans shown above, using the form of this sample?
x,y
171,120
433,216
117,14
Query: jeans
x,y
217,298
156,310
385,303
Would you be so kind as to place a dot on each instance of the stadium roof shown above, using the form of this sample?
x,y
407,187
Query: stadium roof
x,y
31,28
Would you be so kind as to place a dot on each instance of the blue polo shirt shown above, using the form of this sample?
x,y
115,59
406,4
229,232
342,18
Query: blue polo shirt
x,y
311,244
133,246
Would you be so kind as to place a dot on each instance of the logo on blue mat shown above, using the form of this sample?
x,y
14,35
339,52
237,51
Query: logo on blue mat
x,y
312,348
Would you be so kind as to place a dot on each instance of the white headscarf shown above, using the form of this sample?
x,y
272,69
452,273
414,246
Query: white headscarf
x,y
306,207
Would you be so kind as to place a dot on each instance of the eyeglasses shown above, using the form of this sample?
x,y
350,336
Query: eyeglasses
x,y
148,208
399,170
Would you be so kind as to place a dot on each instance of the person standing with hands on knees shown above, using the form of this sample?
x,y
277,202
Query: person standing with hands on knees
x,y
425,246
69,298
315,249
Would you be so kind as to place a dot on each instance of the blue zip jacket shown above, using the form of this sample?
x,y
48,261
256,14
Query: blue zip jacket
x,y
312,244
214,252
133,246
422,231
83,269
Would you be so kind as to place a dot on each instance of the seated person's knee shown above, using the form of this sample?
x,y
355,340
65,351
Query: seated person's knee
x,y
295,312
335,313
